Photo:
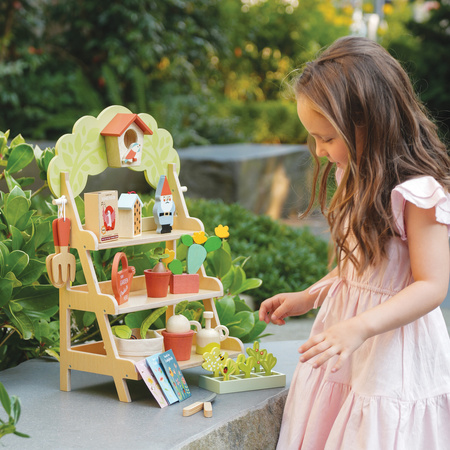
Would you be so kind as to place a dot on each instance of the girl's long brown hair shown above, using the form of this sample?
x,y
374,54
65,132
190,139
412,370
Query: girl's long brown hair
x,y
357,84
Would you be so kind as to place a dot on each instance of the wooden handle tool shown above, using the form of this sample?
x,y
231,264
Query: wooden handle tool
x,y
64,262
56,281
198,406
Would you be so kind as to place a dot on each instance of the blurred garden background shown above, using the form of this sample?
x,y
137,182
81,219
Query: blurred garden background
x,y
210,72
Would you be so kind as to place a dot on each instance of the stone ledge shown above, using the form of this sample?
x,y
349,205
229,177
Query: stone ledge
x,y
91,416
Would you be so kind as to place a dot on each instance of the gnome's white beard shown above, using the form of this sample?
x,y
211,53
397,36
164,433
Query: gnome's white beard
x,y
166,203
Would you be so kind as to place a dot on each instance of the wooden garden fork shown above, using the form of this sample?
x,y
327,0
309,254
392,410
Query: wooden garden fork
x,y
56,281
63,263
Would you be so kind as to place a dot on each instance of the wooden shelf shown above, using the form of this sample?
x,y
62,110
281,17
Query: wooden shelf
x,y
138,300
147,237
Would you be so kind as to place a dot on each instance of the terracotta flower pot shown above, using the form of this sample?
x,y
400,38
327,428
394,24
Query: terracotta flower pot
x,y
184,283
157,283
180,343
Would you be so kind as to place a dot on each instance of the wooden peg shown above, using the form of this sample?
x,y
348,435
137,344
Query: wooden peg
x,y
192,409
207,409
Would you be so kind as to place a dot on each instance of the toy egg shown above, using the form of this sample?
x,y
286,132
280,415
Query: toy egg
x,y
180,324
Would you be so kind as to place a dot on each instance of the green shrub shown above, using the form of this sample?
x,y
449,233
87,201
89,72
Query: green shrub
x,y
285,258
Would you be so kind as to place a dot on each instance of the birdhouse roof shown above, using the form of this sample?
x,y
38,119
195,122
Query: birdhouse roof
x,y
127,201
121,122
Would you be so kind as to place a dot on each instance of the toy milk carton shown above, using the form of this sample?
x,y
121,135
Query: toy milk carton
x,y
101,214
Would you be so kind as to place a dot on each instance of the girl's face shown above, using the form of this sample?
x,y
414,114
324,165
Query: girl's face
x,y
328,141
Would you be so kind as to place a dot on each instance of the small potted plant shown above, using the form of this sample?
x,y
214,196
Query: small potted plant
x,y
185,279
134,338
157,279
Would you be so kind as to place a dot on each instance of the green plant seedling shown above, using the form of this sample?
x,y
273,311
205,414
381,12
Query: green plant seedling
x,y
258,354
247,366
269,363
229,368
133,320
12,408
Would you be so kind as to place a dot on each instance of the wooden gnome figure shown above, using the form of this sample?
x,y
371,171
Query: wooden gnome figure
x,y
164,208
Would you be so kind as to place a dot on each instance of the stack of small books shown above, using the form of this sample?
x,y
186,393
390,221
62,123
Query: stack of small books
x,y
164,378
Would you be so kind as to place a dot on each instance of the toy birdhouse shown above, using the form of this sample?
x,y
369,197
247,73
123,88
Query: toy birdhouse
x,y
130,215
124,140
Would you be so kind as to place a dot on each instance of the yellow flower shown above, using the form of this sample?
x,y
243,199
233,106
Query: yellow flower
x,y
222,231
171,256
388,9
199,237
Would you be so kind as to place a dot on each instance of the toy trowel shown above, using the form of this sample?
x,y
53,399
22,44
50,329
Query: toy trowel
x,y
198,406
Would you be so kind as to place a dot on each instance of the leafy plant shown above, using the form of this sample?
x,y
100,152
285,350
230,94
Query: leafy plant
x,y
133,320
11,405
28,303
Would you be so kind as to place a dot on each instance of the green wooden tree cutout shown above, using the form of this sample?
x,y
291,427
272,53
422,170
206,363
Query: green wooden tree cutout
x,y
83,152
269,363
247,366
229,368
214,360
258,354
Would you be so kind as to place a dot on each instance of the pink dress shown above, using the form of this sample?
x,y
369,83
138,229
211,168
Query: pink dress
x,y
393,393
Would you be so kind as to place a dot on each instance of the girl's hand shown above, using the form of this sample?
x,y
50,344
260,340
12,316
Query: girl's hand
x,y
341,339
280,306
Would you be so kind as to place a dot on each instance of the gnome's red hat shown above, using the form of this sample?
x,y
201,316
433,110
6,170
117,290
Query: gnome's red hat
x,y
166,189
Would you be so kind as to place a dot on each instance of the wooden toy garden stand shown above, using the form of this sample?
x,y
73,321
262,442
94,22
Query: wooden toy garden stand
x,y
83,153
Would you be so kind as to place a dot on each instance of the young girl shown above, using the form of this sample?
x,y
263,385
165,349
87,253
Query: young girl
x,y
375,373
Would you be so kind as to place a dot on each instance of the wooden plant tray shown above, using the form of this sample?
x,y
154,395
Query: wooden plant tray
x,y
237,383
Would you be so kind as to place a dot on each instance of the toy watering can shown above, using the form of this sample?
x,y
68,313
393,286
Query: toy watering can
x,y
208,338
121,280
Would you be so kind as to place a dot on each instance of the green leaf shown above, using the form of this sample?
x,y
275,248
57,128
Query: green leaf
x,y
19,158
23,323
250,283
146,324
25,181
10,181
32,272
213,243
187,240
256,331
88,318
121,331
221,261
228,279
6,288
17,140
16,238
239,279
181,306
225,308
243,324
43,233
15,208
24,222
176,267
5,400
17,261
39,301
135,319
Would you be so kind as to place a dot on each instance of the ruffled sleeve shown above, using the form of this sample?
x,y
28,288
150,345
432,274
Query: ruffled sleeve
x,y
424,192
